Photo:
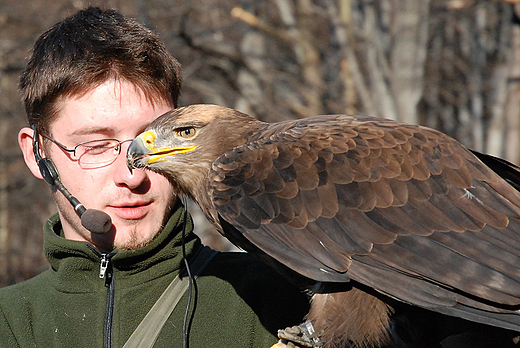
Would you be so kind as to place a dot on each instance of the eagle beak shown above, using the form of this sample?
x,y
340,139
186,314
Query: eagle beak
x,y
142,151
136,156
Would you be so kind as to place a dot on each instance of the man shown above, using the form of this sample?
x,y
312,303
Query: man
x,y
95,81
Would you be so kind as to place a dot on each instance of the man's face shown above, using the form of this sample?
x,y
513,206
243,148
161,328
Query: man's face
x,y
136,201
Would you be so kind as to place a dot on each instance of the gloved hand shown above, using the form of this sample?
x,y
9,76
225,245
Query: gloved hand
x,y
300,336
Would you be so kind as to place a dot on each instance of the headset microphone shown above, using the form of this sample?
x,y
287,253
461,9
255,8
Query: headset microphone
x,y
93,220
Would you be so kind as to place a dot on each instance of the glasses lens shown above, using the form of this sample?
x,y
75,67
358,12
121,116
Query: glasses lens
x,y
97,153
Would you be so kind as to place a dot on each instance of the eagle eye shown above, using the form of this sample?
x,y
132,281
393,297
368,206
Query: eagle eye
x,y
187,132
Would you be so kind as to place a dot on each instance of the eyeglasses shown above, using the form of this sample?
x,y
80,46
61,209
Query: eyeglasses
x,y
94,153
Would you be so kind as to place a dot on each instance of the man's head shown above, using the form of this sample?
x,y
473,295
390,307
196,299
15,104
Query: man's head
x,y
100,75
89,48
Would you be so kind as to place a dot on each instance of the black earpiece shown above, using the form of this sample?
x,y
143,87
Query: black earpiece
x,y
47,168
93,220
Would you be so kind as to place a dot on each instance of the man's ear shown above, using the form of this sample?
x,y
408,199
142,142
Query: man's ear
x,y
25,138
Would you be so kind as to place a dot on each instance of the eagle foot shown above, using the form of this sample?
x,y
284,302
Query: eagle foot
x,y
303,335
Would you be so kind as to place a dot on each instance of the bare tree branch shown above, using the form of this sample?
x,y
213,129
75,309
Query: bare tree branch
x,y
408,56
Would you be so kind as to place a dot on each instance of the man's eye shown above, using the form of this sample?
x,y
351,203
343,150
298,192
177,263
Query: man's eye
x,y
187,132
97,148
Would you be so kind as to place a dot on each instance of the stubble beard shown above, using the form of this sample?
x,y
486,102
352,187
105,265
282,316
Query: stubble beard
x,y
135,240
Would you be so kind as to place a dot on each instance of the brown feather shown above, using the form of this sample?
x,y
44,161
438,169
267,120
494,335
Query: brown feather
x,y
354,316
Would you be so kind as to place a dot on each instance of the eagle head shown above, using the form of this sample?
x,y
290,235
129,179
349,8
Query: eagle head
x,y
183,143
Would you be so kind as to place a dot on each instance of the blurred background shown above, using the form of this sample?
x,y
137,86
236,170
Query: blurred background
x,y
453,65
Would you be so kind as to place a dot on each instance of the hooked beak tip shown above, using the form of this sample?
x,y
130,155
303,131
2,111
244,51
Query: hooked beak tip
x,y
130,165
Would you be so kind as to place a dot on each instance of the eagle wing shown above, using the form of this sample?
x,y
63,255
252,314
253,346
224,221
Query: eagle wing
x,y
404,209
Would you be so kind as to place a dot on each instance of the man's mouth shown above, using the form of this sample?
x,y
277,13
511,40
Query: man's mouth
x,y
130,211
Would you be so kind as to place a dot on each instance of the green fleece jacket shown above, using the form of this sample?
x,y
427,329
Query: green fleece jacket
x,y
239,301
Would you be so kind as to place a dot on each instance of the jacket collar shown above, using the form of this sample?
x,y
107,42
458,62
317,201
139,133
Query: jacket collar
x,y
76,265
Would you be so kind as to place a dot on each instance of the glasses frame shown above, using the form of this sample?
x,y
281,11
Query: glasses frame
x,y
78,158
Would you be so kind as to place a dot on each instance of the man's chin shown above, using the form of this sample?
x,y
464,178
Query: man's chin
x,y
134,239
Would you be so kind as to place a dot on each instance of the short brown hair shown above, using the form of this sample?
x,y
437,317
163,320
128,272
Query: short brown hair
x,y
85,50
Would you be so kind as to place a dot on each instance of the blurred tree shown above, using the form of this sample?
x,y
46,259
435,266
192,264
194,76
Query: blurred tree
x,y
449,64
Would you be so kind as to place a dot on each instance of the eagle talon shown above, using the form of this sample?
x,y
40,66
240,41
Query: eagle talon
x,y
303,334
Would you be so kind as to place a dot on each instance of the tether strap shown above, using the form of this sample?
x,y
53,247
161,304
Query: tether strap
x,y
146,333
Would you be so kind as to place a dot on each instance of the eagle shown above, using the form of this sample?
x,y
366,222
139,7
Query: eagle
x,y
362,211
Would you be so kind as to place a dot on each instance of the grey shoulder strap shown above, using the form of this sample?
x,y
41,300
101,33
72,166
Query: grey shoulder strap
x,y
147,331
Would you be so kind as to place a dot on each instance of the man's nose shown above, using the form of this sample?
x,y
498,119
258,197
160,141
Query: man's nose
x,y
123,176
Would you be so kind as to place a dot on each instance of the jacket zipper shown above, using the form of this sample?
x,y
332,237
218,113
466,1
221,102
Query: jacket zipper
x,y
106,272
104,265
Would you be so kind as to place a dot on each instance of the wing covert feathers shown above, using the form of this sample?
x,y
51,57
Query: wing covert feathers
x,y
332,194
